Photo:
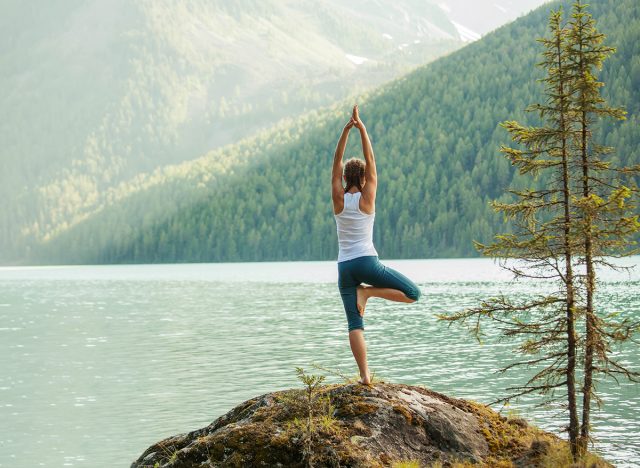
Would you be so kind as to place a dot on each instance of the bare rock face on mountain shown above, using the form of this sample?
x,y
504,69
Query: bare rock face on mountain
x,y
356,425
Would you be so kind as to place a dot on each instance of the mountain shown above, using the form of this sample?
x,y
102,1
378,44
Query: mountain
x,y
476,18
98,92
436,136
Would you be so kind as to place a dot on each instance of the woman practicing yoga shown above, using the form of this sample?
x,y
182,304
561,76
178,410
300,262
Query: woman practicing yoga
x,y
354,210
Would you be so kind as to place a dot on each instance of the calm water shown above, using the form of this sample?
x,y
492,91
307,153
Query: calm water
x,y
101,361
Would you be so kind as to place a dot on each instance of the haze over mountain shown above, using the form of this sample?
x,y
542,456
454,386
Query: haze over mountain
x,y
436,136
473,19
99,91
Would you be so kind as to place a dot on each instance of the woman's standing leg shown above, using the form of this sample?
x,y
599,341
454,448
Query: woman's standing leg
x,y
348,283
359,351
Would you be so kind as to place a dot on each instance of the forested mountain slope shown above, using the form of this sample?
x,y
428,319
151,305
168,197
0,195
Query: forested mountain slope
x,y
436,136
96,92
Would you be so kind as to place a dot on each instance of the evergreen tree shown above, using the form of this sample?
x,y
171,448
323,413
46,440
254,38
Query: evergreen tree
x,y
563,229
543,241
606,221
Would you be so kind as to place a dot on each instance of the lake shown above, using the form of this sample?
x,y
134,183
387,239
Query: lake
x,y
99,362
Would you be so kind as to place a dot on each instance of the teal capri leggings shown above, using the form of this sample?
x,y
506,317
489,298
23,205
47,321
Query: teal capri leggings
x,y
368,269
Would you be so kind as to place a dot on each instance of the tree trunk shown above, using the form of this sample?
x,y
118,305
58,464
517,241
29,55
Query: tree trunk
x,y
590,319
571,333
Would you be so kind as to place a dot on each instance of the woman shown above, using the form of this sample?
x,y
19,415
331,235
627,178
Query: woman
x,y
354,211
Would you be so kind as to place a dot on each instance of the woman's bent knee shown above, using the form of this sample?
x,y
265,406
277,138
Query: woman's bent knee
x,y
413,293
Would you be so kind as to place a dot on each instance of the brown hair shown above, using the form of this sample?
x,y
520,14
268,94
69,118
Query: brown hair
x,y
354,173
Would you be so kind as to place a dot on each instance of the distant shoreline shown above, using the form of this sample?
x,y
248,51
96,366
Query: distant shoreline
x,y
325,271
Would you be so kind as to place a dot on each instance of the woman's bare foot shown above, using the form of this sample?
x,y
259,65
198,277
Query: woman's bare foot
x,y
361,300
366,380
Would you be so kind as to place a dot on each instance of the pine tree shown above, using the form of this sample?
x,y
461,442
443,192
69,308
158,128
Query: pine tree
x,y
582,218
558,111
543,241
606,220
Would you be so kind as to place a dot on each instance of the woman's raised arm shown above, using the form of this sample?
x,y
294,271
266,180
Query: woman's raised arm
x,y
370,172
337,190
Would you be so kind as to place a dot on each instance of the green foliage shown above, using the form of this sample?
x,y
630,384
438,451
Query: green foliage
x,y
583,214
434,132
317,415
349,379
100,91
406,464
606,219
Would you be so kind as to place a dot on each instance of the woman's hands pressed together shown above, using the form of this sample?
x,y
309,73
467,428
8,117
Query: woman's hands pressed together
x,y
354,121
349,125
355,117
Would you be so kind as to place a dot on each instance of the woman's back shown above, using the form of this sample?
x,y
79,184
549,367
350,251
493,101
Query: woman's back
x,y
355,229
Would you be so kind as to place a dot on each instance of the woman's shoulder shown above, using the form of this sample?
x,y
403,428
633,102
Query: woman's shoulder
x,y
367,207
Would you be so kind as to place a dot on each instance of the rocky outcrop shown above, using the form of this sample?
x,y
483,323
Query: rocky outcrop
x,y
355,425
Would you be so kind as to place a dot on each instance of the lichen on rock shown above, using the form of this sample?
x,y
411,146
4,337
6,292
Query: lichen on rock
x,y
356,425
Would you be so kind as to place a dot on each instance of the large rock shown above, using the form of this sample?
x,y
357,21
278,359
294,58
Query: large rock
x,y
354,425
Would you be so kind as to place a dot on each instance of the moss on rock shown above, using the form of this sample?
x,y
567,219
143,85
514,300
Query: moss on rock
x,y
381,425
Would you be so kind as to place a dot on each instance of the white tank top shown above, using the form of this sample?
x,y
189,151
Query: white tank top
x,y
355,229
